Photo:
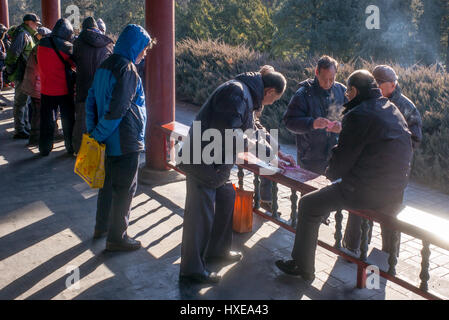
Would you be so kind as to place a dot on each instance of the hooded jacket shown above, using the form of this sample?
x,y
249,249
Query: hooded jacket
x,y
309,103
115,105
51,69
230,106
410,113
373,154
90,49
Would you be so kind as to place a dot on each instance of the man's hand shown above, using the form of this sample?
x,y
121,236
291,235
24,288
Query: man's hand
x,y
334,127
287,158
320,123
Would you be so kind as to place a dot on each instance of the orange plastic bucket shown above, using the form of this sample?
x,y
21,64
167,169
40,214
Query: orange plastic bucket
x,y
243,211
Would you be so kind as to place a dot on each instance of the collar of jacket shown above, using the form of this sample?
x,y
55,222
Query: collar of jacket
x,y
253,80
28,29
397,93
373,93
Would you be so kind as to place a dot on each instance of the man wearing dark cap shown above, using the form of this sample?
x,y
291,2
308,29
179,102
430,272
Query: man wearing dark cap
x,y
22,44
369,167
387,80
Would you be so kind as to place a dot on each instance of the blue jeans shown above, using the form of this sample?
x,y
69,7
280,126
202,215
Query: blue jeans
x,y
114,199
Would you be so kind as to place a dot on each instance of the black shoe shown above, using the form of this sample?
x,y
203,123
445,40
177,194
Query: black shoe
x,y
290,267
100,234
231,256
205,277
21,135
126,244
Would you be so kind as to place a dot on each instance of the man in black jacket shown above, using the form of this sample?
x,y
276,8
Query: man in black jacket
x,y
387,80
90,49
369,167
207,227
313,116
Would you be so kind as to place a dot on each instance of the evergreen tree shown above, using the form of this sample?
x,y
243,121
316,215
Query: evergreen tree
x,y
429,26
396,39
316,27
233,21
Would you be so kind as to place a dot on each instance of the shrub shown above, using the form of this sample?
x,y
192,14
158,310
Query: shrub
x,y
203,65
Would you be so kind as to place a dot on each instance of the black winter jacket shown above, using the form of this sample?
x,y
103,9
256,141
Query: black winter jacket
x,y
410,113
230,106
90,49
309,103
374,152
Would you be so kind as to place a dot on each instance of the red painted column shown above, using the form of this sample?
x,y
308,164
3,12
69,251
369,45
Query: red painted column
x,y
4,13
160,78
51,12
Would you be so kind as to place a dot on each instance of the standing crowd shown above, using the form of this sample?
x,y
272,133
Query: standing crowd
x,y
51,72
361,136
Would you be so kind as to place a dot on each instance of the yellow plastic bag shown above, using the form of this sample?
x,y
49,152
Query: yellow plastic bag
x,y
89,163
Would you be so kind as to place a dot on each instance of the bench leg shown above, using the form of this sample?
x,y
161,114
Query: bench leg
x,y
361,277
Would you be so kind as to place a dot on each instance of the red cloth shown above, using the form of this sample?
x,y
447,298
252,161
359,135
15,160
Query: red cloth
x,y
52,71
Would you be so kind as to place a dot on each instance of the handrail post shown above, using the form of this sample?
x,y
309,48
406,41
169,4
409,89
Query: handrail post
x,y
364,242
424,275
256,192
338,228
274,204
294,214
392,259
240,175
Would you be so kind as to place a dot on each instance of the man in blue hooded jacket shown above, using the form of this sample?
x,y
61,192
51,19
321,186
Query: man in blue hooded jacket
x,y
116,116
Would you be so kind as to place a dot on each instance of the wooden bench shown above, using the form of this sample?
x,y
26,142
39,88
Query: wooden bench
x,y
413,222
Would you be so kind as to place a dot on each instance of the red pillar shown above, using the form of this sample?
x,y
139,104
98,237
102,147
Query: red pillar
x,y
51,12
160,78
4,13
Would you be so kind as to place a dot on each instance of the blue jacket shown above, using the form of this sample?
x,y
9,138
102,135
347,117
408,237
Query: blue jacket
x,y
115,105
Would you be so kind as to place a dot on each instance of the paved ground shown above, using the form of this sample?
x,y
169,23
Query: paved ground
x,y
47,217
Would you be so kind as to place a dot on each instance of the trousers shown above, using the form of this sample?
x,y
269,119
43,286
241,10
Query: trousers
x,y
49,108
207,226
114,199
21,121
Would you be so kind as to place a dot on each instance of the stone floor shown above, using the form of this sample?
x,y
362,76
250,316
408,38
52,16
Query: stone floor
x,y
47,216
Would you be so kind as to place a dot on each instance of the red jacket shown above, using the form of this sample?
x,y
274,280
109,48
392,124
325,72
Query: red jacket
x,y
51,68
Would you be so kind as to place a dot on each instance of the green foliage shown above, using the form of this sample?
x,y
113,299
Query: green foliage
x,y
202,65
232,21
115,13
312,27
